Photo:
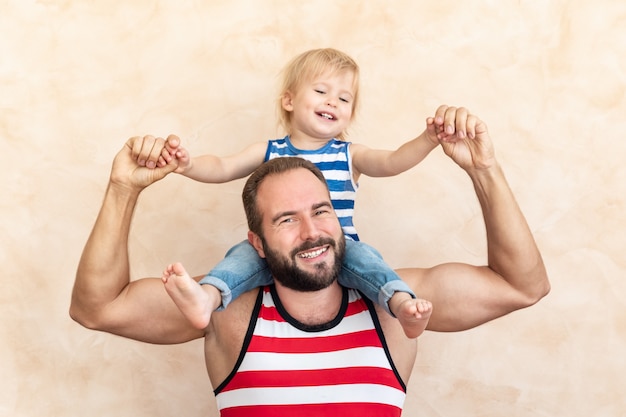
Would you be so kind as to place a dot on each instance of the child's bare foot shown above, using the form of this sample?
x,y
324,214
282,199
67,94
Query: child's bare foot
x,y
413,314
195,301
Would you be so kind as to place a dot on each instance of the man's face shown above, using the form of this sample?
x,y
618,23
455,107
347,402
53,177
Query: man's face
x,y
303,242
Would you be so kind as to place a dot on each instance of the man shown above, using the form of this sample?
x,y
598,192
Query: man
x,y
294,228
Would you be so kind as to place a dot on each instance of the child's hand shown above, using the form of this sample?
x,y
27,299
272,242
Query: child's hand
x,y
171,150
433,129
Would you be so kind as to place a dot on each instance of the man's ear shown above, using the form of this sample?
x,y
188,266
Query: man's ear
x,y
287,101
256,243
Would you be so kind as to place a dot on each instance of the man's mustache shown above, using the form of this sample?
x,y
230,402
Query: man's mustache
x,y
310,245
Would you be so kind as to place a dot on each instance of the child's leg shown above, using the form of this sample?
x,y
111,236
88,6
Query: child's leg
x,y
364,269
241,270
194,301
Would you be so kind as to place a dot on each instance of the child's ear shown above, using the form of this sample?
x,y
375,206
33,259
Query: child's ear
x,y
256,243
287,101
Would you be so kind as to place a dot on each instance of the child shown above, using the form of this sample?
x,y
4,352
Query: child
x,y
319,96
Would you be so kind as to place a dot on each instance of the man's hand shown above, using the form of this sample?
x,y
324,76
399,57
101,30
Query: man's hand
x,y
133,166
463,137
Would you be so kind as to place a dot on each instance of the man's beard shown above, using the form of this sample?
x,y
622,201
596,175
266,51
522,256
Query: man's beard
x,y
286,271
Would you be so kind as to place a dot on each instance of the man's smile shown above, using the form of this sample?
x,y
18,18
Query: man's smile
x,y
313,253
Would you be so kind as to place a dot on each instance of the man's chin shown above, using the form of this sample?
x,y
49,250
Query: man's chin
x,y
309,279
312,285
313,268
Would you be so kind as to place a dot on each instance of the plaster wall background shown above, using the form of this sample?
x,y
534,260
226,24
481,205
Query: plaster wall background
x,y
78,78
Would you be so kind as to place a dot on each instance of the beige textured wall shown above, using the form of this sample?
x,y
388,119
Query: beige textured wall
x,y
77,78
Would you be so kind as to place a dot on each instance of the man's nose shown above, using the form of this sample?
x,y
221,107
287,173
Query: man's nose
x,y
309,230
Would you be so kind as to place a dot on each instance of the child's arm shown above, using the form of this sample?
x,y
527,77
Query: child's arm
x,y
211,168
385,163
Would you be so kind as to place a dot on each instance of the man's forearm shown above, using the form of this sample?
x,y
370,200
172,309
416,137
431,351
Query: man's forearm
x,y
103,270
512,250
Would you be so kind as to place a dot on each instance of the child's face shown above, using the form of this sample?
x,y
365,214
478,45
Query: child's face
x,y
322,107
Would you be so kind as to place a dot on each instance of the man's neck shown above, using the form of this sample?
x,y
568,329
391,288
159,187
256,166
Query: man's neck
x,y
311,308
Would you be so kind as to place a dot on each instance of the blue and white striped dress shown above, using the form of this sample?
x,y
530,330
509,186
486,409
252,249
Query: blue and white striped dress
x,y
334,160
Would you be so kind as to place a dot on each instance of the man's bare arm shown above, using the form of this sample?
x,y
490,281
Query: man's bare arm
x,y
103,297
515,277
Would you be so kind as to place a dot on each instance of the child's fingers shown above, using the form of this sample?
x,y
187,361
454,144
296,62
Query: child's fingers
x,y
172,144
161,162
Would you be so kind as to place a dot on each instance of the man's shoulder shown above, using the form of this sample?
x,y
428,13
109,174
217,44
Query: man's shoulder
x,y
390,325
227,328
239,310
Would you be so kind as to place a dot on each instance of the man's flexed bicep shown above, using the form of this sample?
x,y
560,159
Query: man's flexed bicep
x,y
144,311
463,296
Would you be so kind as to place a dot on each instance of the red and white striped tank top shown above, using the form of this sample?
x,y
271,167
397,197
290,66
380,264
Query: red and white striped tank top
x,y
287,369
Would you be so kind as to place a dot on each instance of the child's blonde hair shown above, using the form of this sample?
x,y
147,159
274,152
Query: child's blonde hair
x,y
312,64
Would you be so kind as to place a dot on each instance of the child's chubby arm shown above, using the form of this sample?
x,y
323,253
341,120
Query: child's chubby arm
x,y
386,163
211,168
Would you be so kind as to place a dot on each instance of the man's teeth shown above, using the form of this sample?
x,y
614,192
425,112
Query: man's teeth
x,y
313,254
327,116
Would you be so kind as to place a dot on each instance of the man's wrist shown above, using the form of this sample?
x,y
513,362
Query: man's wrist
x,y
488,179
122,191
